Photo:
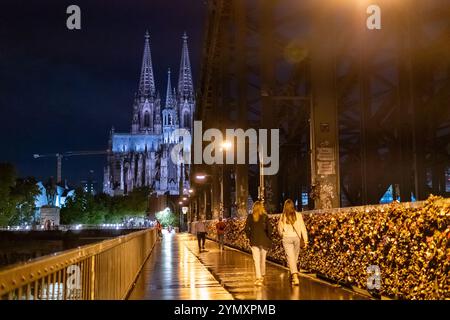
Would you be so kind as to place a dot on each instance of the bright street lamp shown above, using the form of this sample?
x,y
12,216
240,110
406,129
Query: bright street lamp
x,y
226,145
200,177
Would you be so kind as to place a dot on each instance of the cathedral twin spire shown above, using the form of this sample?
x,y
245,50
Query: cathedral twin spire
x,y
147,80
147,87
185,83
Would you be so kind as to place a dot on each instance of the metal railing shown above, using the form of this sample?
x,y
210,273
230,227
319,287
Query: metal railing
x,y
101,271
63,227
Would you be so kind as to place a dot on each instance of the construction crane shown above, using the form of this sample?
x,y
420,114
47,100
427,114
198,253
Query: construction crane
x,y
60,156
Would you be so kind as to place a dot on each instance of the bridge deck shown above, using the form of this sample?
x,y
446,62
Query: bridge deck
x,y
177,271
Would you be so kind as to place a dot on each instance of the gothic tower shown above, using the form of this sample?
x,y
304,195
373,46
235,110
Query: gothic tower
x,y
186,98
169,113
146,107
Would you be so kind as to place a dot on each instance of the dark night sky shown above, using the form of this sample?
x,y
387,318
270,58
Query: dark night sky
x,y
62,90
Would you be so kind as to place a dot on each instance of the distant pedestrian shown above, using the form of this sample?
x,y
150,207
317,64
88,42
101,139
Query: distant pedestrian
x,y
220,228
259,232
201,233
292,229
159,229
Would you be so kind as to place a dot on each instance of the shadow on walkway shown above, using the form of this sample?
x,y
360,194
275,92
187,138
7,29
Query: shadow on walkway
x,y
235,271
176,270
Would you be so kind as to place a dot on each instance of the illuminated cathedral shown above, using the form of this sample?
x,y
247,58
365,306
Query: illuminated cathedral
x,y
142,157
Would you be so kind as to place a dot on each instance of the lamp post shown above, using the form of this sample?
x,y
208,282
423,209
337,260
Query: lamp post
x,y
184,211
180,203
202,178
261,174
225,146
189,218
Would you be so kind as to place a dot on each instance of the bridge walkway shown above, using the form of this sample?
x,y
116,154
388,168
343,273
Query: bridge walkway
x,y
176,270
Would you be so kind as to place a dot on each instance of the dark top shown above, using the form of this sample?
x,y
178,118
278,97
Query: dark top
x,y
220,226
259,233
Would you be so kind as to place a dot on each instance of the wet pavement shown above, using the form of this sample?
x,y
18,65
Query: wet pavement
x,y
173,272
177,270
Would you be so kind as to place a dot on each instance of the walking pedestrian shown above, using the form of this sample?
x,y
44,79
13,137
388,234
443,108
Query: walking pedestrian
x,y
292,229
259,232
159,229
201,233
220,228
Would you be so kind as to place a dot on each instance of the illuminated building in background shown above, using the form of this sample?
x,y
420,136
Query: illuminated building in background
x,y
89,185
142,157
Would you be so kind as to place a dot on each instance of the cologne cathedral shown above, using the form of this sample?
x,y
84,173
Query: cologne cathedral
x,y
142,157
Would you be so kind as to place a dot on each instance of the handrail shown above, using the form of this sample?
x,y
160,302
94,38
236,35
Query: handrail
x,y
104,270
78,227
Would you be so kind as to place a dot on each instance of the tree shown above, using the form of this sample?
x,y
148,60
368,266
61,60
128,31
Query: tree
x,y
78,208
132,205
84,208
7,204
167,218
137,200
73,210
24,195
17,196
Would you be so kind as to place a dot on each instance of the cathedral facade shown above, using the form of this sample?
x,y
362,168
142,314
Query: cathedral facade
x,y
141,157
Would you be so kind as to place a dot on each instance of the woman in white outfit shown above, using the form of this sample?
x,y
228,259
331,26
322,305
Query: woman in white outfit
x,y
292,229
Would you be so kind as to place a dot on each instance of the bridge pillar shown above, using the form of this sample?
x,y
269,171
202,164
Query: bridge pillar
x,y
216,192
241,180
241,170
324,115
268,90
226,191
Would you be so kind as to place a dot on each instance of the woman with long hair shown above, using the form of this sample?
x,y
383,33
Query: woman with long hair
x,y
259,232
292,229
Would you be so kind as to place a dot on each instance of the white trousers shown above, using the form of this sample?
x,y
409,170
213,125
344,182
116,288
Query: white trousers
x,y
292,248
259,258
